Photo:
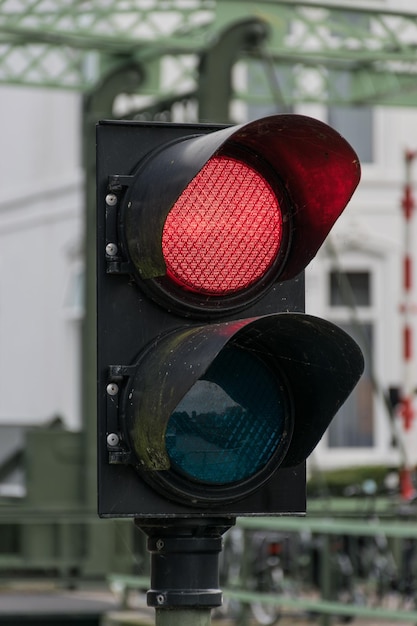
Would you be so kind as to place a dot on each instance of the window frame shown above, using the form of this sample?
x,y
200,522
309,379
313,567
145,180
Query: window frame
x,y
318,303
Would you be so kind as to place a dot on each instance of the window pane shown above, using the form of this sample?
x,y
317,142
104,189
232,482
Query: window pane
x,y
353,426
355,123
346,286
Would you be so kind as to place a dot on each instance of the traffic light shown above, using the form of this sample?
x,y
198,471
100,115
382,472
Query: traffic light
x,y
213,386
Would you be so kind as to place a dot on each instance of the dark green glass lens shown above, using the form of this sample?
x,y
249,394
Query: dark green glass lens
x,y
230,423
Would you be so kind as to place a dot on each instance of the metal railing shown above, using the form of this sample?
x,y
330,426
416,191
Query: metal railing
x,y
348,568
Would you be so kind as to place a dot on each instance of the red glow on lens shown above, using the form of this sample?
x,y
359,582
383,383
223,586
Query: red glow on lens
x,y
224,231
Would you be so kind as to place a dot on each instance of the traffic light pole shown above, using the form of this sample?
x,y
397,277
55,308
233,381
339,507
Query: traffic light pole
x,y
183,617
184,568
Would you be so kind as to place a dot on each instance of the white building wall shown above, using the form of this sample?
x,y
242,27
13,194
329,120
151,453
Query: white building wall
x,y
40,246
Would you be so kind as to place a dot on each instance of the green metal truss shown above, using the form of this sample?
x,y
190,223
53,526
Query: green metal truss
x,y
315,51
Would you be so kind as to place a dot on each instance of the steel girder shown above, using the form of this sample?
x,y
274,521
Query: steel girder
x,y
315,52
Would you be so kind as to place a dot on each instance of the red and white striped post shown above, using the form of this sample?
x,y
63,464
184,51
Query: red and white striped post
x,y
407,411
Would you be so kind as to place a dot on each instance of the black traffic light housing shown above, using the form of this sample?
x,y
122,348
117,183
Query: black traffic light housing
x,y
213,387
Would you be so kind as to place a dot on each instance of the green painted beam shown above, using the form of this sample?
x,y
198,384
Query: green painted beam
x,y
308,41
320,525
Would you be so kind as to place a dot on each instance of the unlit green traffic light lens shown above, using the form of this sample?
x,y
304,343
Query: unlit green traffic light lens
x,y
230,423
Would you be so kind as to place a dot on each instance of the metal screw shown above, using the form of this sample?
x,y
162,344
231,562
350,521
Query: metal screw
x,y
111,249
112,439
160,598
111,199
160,544
112,389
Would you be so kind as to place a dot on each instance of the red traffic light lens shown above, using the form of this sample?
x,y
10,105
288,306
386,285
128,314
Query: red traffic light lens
x,y
225,230
212,218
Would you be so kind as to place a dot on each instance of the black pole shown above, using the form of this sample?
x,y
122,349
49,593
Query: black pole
x,y
184,567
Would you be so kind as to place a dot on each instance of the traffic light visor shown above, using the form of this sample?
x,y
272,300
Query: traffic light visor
x,y
250,396
211,221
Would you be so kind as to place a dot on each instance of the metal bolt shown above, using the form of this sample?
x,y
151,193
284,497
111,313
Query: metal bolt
x,y
112,439
112,389
111,199
111,249
160,598
160,544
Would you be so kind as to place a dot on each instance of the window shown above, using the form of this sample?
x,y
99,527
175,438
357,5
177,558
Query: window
x,y
353,426
353,121
350,288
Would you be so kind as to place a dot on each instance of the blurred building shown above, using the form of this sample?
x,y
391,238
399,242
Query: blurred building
x,y
357,282
42,251
41,255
